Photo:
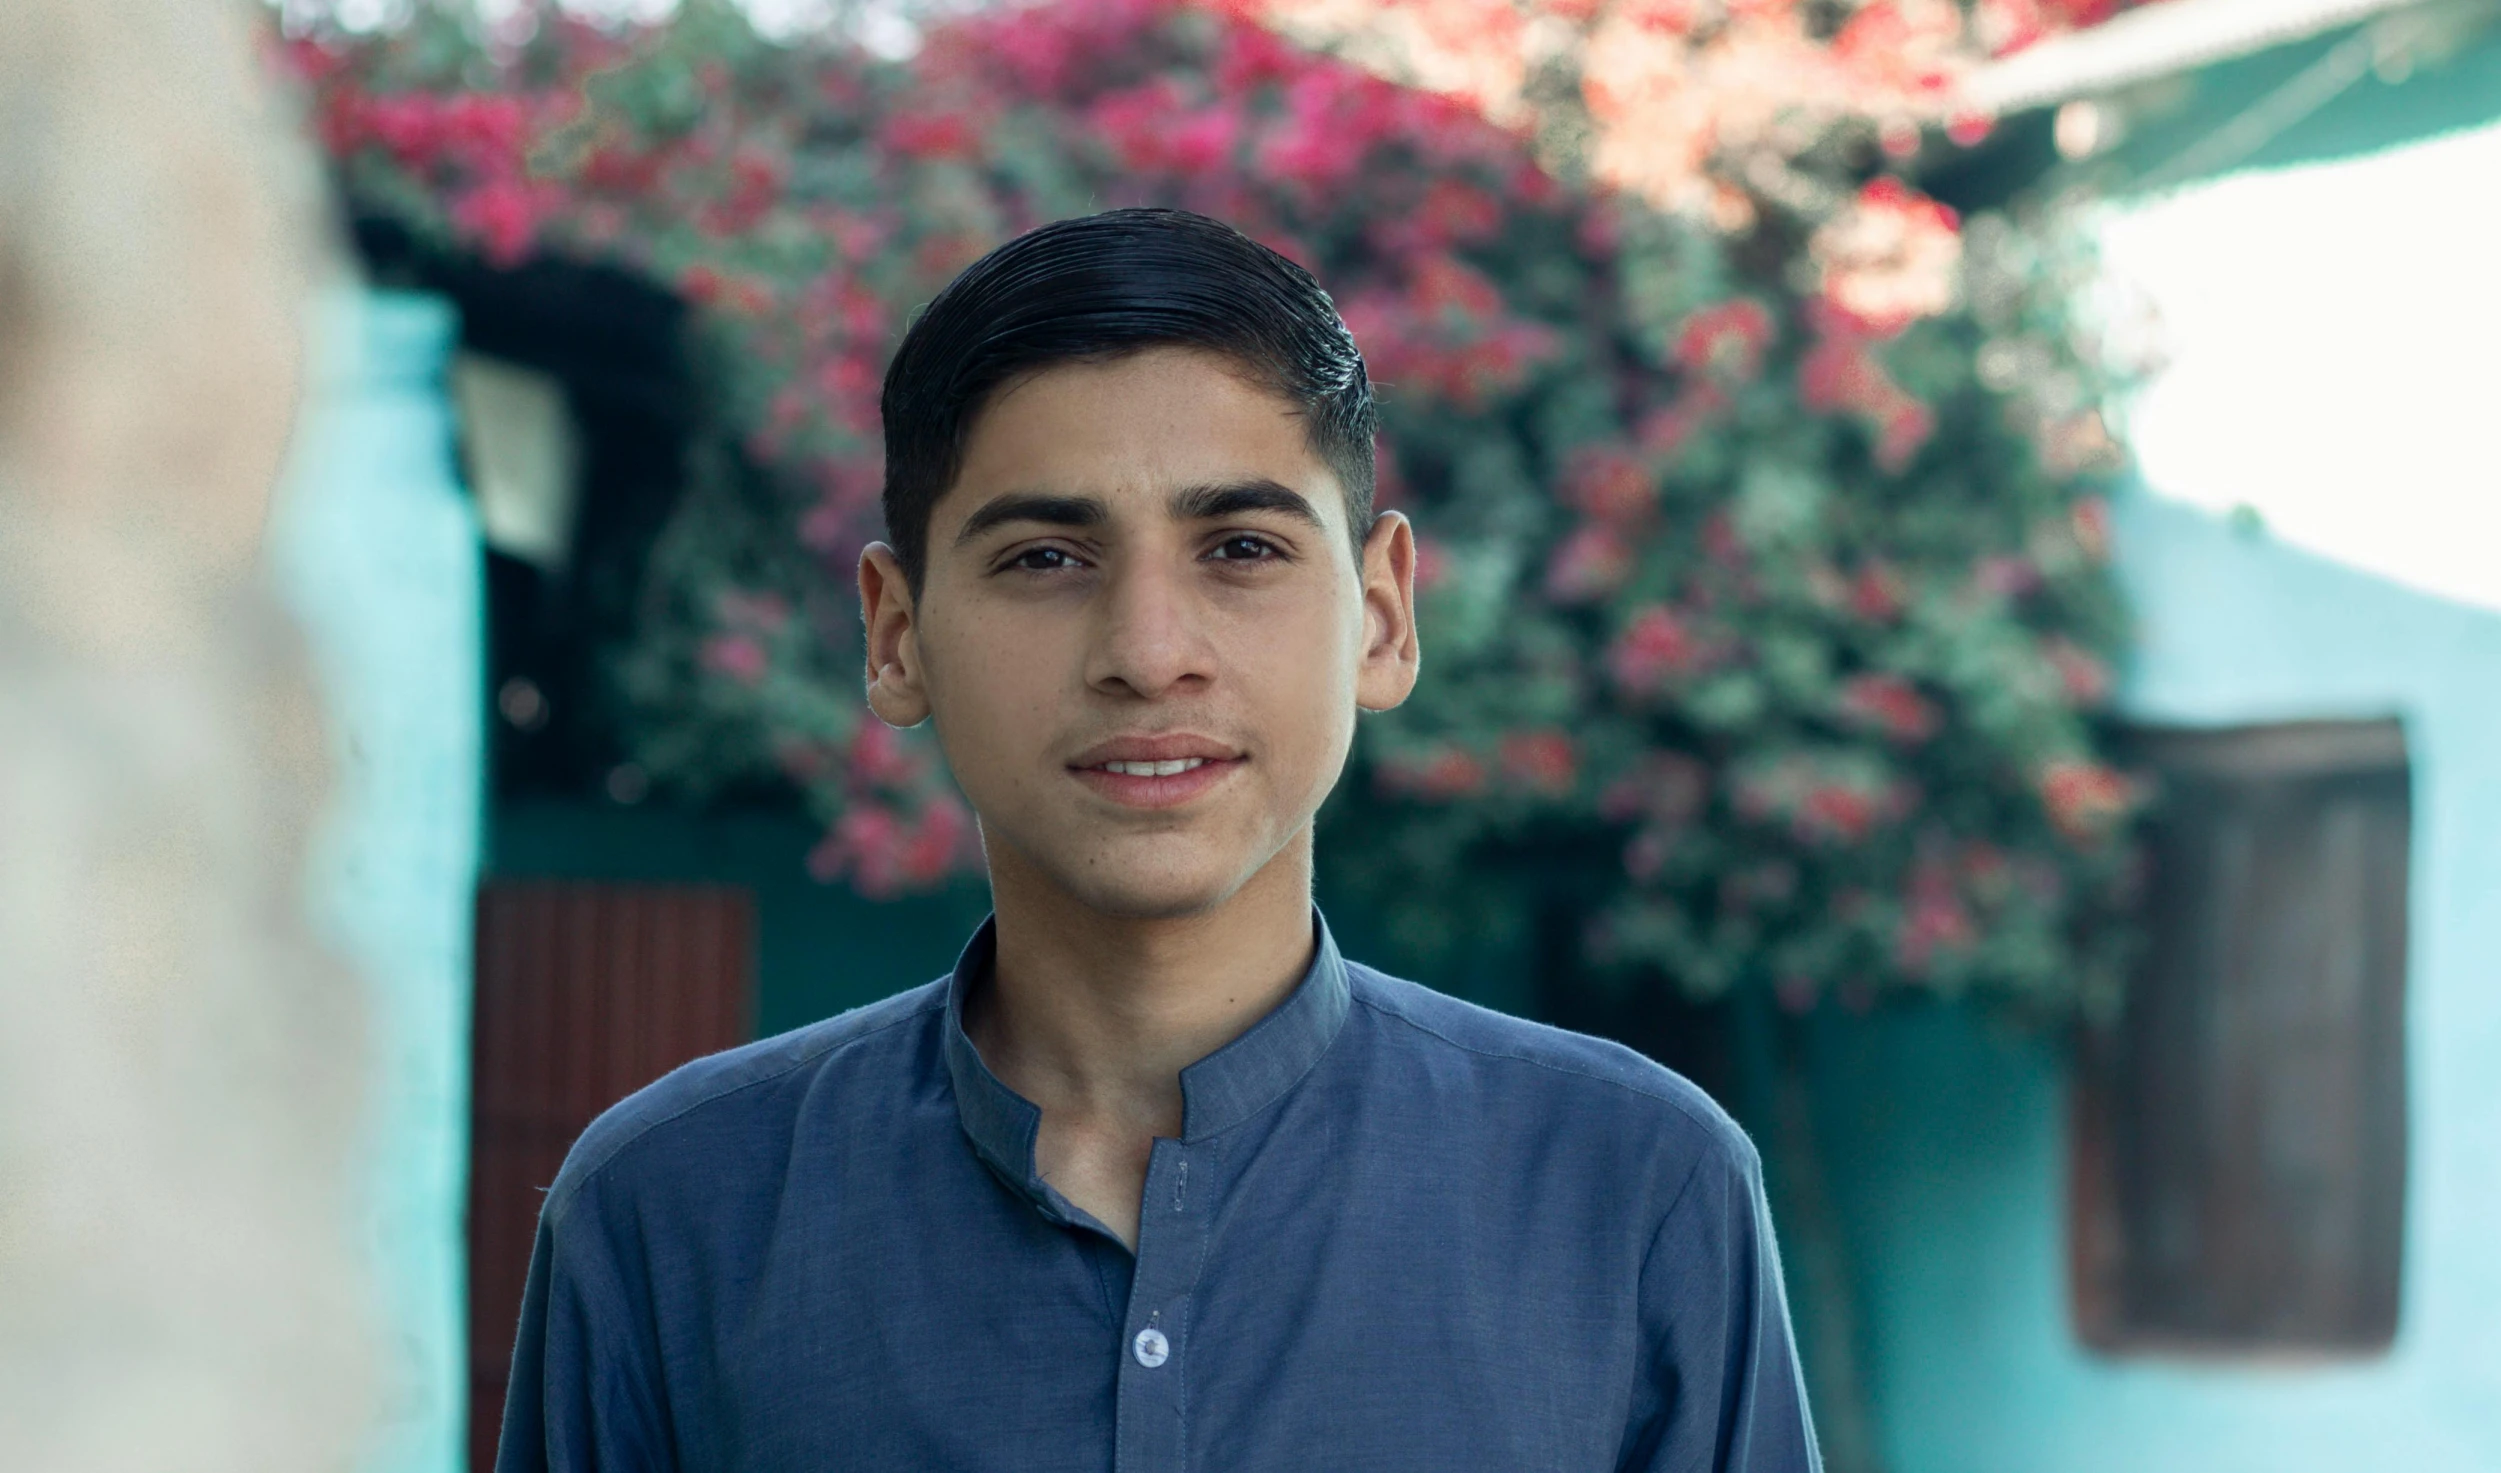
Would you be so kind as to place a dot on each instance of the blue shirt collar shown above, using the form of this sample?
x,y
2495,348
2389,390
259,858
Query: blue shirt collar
x,y
1217,1093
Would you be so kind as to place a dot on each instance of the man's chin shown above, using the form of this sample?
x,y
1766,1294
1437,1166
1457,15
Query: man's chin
x,y
1151,897
1166,877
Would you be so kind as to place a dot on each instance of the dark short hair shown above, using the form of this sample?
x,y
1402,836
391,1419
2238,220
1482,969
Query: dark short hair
x,y
1101,287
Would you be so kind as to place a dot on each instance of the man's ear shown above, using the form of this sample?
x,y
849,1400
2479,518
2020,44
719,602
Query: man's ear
x,y
895,689
1391,656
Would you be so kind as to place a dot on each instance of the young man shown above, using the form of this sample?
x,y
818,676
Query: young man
x,y
1156,1180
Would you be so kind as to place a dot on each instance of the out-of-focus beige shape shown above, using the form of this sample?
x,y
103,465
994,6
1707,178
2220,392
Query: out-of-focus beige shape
x,y
179,1063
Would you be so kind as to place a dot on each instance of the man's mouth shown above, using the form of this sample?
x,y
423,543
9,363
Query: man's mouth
x,y
1160,771
1173,768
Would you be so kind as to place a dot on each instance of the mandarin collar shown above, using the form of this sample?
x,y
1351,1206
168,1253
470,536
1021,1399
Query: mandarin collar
x,y
1217,1093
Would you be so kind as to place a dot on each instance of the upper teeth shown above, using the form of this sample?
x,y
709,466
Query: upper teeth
x,y
1154,769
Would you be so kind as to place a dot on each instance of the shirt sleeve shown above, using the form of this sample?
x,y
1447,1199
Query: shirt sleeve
x,y
584,1392
1723,1392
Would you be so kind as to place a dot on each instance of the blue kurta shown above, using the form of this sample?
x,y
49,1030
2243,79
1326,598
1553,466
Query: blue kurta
x,y
1398,1232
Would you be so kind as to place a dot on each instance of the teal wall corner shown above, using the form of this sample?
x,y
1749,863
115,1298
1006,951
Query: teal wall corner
x,y
375,550
1945,1135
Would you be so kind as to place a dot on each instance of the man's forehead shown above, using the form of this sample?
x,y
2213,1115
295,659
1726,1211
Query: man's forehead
x,y
1145,435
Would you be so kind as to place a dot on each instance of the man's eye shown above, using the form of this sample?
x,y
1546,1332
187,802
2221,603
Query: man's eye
x,y
1244,548
1042,560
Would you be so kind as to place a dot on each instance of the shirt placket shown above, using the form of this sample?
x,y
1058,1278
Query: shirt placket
x,y
1152,1426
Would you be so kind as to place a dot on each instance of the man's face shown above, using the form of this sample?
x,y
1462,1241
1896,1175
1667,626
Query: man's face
x,y
1142,631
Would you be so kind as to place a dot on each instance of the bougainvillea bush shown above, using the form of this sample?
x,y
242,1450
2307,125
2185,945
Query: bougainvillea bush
x,y
1766,612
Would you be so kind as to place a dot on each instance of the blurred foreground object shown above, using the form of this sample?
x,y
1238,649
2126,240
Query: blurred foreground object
x,y
178,1060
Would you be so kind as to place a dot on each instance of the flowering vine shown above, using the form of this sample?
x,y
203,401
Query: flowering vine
x,y
1763,544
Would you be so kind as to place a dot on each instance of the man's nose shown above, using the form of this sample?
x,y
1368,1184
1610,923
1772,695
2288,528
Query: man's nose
x,y
1151,640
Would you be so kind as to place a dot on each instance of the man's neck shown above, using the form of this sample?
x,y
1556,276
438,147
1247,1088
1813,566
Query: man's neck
x,y
1093,1017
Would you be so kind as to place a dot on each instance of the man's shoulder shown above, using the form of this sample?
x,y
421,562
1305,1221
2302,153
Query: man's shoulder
x,y
1592,1077
740,1081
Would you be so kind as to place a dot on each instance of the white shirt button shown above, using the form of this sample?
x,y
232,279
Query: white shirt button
x,y
1151,1348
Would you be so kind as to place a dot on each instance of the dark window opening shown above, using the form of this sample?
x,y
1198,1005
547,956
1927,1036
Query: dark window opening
x,y
618,346
2240,1134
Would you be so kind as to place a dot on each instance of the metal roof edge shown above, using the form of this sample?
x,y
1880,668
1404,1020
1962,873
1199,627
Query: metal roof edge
x,y
2157,40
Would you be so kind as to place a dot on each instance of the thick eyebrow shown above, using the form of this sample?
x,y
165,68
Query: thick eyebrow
x,y
1034,506
1232,498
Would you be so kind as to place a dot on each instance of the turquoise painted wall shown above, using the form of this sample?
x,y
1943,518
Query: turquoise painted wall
x,y
1947,1137
376,550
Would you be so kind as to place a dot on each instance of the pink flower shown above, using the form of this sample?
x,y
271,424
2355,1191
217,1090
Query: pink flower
x,y
1493,364
1933,918
934,845
878,757
1601,231
886,856
1432,564
1667,787
1203,140
944,135
1253,56
1455,212
847,379
803,761
1984,865
1610,484
756,181
484,130
2005,575
1906,48
2083,679
1666,17
1901,433
2090,519
863,844
827,858
761,613
2085,799
1720,540
1436,776
1834,812
1544,760
1970,130
741,657
1876,594
1839,375
1889,259
1645,854
1591,563
503,216
1443,284
831,530
2007,26
613,168
1667,430
1138,124
1452,774
1891,705
1656,647
1726,341
406,124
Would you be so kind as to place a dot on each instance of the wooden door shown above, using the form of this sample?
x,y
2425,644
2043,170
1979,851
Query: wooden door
x,y
585,993
2240,1131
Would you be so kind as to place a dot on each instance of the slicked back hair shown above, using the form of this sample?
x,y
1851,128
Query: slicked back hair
x,y
1099,288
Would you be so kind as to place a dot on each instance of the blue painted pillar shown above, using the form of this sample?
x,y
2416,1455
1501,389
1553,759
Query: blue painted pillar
x,y
375,548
